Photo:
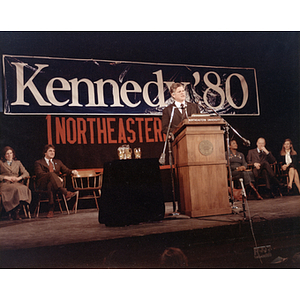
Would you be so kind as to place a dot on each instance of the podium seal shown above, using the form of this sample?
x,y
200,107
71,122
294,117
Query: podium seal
x,y
206,148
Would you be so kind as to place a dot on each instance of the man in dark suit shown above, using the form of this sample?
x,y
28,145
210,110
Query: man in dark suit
x,y
261,158
47,171
182,108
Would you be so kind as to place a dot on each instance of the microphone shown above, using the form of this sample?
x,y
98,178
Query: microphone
x,y
243,189
246,143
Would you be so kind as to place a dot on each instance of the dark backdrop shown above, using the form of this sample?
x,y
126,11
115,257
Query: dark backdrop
x,y
274,55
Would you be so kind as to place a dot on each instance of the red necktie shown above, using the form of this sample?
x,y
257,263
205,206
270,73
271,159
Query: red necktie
x,y
50,166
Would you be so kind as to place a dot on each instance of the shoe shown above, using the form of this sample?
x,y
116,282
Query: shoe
x,y
50,214
70,195
259,197
16,216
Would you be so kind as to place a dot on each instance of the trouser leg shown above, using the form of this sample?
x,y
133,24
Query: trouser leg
x,y
52,183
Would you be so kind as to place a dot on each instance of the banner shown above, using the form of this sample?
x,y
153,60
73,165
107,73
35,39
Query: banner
x,y
50,86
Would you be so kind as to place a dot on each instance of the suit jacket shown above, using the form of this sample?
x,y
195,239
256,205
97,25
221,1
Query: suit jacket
x,y
16,169
253,157
192,108
294,160
41,168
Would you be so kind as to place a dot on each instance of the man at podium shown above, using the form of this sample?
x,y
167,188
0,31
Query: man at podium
x,y
182,108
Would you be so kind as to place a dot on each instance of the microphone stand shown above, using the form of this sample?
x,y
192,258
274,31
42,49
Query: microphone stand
x,y
244,196
227,126
162,158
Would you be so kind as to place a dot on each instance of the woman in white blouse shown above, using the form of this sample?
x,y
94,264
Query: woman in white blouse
x,y
290,163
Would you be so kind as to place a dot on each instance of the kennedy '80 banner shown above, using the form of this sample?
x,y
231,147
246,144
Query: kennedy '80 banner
x,y
51,85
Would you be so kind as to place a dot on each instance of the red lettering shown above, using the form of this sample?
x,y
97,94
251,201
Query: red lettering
x,y
147,130
122,135
69,138
157,127
49,130
140,120
60,130
110,130
131,139
91,121
81,130
101,131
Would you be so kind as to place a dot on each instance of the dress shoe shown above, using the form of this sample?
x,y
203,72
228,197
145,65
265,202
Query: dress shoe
x,y
15,215
50,214
70,195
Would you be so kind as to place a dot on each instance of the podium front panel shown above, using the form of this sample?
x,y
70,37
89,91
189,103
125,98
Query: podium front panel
x,y
199,155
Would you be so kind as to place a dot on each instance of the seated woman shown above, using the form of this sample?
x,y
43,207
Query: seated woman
x,y
12,190
290,163
238,166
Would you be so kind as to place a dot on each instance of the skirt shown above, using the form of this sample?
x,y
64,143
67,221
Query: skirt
x,y
13,193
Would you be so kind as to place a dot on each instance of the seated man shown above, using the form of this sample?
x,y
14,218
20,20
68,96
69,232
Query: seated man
x,y
238,166
261,158
47,172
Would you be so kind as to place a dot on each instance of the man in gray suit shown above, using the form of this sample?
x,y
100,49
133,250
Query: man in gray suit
x,y
47,171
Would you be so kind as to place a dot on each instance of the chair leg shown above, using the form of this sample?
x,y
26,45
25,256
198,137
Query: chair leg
x,y
37,210
26,211
60,207
256,192
66,204
76,202
95,197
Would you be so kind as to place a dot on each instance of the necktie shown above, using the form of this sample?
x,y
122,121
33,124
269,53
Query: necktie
x,y
183,111
50,166
182,108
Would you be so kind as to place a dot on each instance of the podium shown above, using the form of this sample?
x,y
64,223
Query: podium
x,y
200,166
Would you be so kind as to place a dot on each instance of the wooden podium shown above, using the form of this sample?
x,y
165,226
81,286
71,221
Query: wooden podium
x,y
200,166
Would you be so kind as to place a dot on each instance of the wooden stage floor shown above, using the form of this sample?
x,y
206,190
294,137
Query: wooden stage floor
x,y
222,241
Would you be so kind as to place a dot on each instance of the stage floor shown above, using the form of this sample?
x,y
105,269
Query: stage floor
x,y
71,239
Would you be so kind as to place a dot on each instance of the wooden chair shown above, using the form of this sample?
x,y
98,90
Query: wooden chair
x,y
25,206
283,176
260,182
88,184
43,197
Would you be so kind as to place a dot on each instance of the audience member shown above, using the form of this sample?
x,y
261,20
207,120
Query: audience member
x,y
47,172
261,158
173,258
290,163
13,192
183,109
238,166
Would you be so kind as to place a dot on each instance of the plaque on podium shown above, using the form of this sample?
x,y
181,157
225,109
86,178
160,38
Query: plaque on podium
x,y
200,165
